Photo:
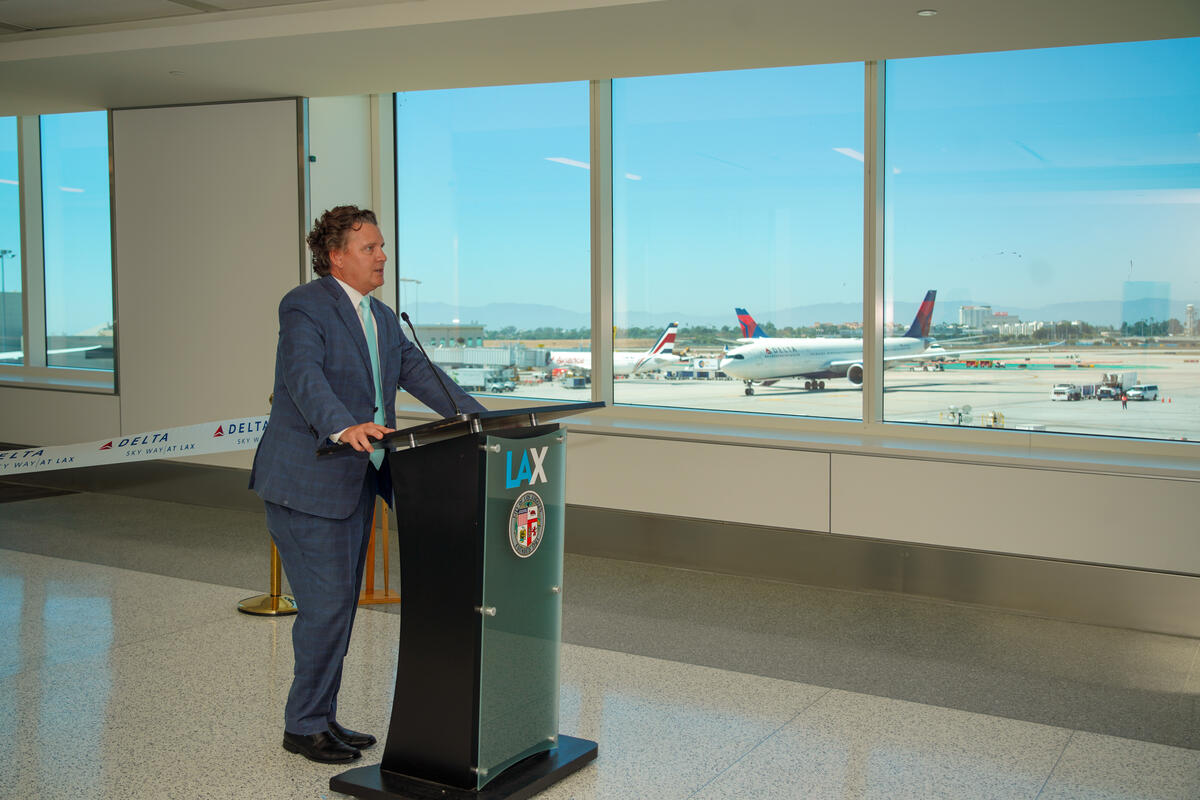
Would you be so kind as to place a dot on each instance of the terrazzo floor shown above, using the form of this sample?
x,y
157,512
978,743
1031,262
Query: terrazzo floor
x,y
122,683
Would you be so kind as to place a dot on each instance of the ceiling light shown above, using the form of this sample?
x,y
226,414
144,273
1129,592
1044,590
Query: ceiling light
x,y
927,12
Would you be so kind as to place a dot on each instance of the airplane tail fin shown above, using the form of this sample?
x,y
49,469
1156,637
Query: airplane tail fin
x,y
666,343
920,325
750,329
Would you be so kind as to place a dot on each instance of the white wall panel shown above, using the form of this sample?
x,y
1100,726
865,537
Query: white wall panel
x,y
31,416
207,241
759,486
339,137
1148,523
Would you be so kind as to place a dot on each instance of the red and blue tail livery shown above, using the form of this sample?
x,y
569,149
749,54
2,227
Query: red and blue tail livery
x,y
920,325
750,329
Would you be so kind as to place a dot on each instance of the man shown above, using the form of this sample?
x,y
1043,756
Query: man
x,y
340,359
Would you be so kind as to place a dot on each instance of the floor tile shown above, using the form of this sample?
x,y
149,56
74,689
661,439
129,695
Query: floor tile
x,y
1096,767
664,728
851,746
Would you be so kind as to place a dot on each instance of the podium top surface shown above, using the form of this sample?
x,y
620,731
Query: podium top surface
x,y
478,422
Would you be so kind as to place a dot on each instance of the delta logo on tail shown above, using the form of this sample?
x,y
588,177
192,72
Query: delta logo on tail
x,y
750,329
920,325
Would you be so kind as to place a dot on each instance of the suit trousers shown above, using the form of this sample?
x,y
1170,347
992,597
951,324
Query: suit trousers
x,y
323,559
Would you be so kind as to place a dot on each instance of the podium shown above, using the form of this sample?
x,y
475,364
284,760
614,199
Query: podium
x,y
479,502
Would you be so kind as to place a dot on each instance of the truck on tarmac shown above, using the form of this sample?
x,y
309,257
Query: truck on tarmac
x,y
1065,391
472,379
1114,384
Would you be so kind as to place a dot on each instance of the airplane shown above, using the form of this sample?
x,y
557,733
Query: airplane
x,y
662,354
15,354
765,360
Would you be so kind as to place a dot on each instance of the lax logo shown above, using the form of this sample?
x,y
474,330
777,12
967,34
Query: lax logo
x,y
532,469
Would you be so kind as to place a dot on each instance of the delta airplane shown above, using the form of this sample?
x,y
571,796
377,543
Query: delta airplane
x,y
766,360
662,354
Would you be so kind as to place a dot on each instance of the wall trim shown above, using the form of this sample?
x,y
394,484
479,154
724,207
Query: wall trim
x,y
1120,597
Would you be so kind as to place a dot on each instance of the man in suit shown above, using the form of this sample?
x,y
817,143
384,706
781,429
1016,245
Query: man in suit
x,y
340,359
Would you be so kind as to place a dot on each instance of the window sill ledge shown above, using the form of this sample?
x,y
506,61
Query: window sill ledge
x,y
58,380
983,446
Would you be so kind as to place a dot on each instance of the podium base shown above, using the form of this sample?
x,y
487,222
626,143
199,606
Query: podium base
x,y
523,779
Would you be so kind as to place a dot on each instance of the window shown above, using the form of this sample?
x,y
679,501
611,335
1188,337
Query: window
x,y
739,190
1052,199
492,197
77,240
11,313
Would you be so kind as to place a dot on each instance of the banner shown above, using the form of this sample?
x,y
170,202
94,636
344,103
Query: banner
x,y
190,440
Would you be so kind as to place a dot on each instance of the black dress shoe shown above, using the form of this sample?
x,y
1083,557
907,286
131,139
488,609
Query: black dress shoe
x,y
323,747
353,738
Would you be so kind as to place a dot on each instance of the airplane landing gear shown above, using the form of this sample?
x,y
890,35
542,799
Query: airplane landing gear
x,y
749,388
814,385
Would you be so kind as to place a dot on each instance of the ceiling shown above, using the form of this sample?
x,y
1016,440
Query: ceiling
x,y
69,55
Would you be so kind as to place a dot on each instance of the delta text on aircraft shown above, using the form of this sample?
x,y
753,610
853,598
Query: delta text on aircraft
x,y
766,360
662,354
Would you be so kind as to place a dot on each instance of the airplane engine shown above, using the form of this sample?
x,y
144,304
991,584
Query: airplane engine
x,y
855,374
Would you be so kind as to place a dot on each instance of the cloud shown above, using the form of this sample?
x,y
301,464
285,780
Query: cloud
x,y
570,162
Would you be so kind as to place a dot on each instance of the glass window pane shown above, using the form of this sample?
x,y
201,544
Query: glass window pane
x,y
76,229
739,190
10,246
493,207
1052,198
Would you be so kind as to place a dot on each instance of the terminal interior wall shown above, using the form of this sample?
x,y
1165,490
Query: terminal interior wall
x,y
206,220
1115,520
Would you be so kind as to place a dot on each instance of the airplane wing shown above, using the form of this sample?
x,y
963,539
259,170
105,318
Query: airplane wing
x,y
937,352
57,351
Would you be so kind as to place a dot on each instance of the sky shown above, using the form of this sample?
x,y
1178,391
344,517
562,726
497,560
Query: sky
x,y
10,223
1020,179
75,218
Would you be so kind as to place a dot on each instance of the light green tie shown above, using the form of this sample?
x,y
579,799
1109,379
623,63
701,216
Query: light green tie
x,y
364,310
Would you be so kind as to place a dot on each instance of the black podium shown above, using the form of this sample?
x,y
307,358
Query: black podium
x,y
479,501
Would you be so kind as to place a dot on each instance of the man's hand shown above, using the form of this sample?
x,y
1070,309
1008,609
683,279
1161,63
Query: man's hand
x,y
359,436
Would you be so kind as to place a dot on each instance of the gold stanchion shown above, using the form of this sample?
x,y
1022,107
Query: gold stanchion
x,y
273,604
369,596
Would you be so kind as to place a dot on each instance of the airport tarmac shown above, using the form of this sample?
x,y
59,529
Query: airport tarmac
x,y
1020,396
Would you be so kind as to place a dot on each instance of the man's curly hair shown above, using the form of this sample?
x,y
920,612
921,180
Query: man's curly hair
x,y
330,230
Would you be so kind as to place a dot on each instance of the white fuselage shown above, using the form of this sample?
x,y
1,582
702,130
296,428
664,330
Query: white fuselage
x,y
772,359
623,363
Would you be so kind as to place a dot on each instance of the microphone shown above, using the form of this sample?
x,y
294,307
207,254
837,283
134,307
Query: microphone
x,y
436,372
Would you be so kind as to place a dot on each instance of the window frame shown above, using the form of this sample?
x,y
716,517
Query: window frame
x,y
871,435
34,373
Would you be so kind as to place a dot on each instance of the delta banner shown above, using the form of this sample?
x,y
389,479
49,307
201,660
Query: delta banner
x,y
203,439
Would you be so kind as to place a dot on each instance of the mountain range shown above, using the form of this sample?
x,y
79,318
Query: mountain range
x,y
527,316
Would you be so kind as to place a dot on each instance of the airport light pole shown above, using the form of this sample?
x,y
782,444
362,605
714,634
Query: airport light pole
x,y
416,293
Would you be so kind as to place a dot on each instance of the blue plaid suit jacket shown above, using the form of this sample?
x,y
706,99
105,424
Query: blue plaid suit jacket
x,y
322,386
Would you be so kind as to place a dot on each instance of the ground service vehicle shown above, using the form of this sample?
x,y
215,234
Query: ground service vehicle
x,y
1065,391
1112,384
1143,391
